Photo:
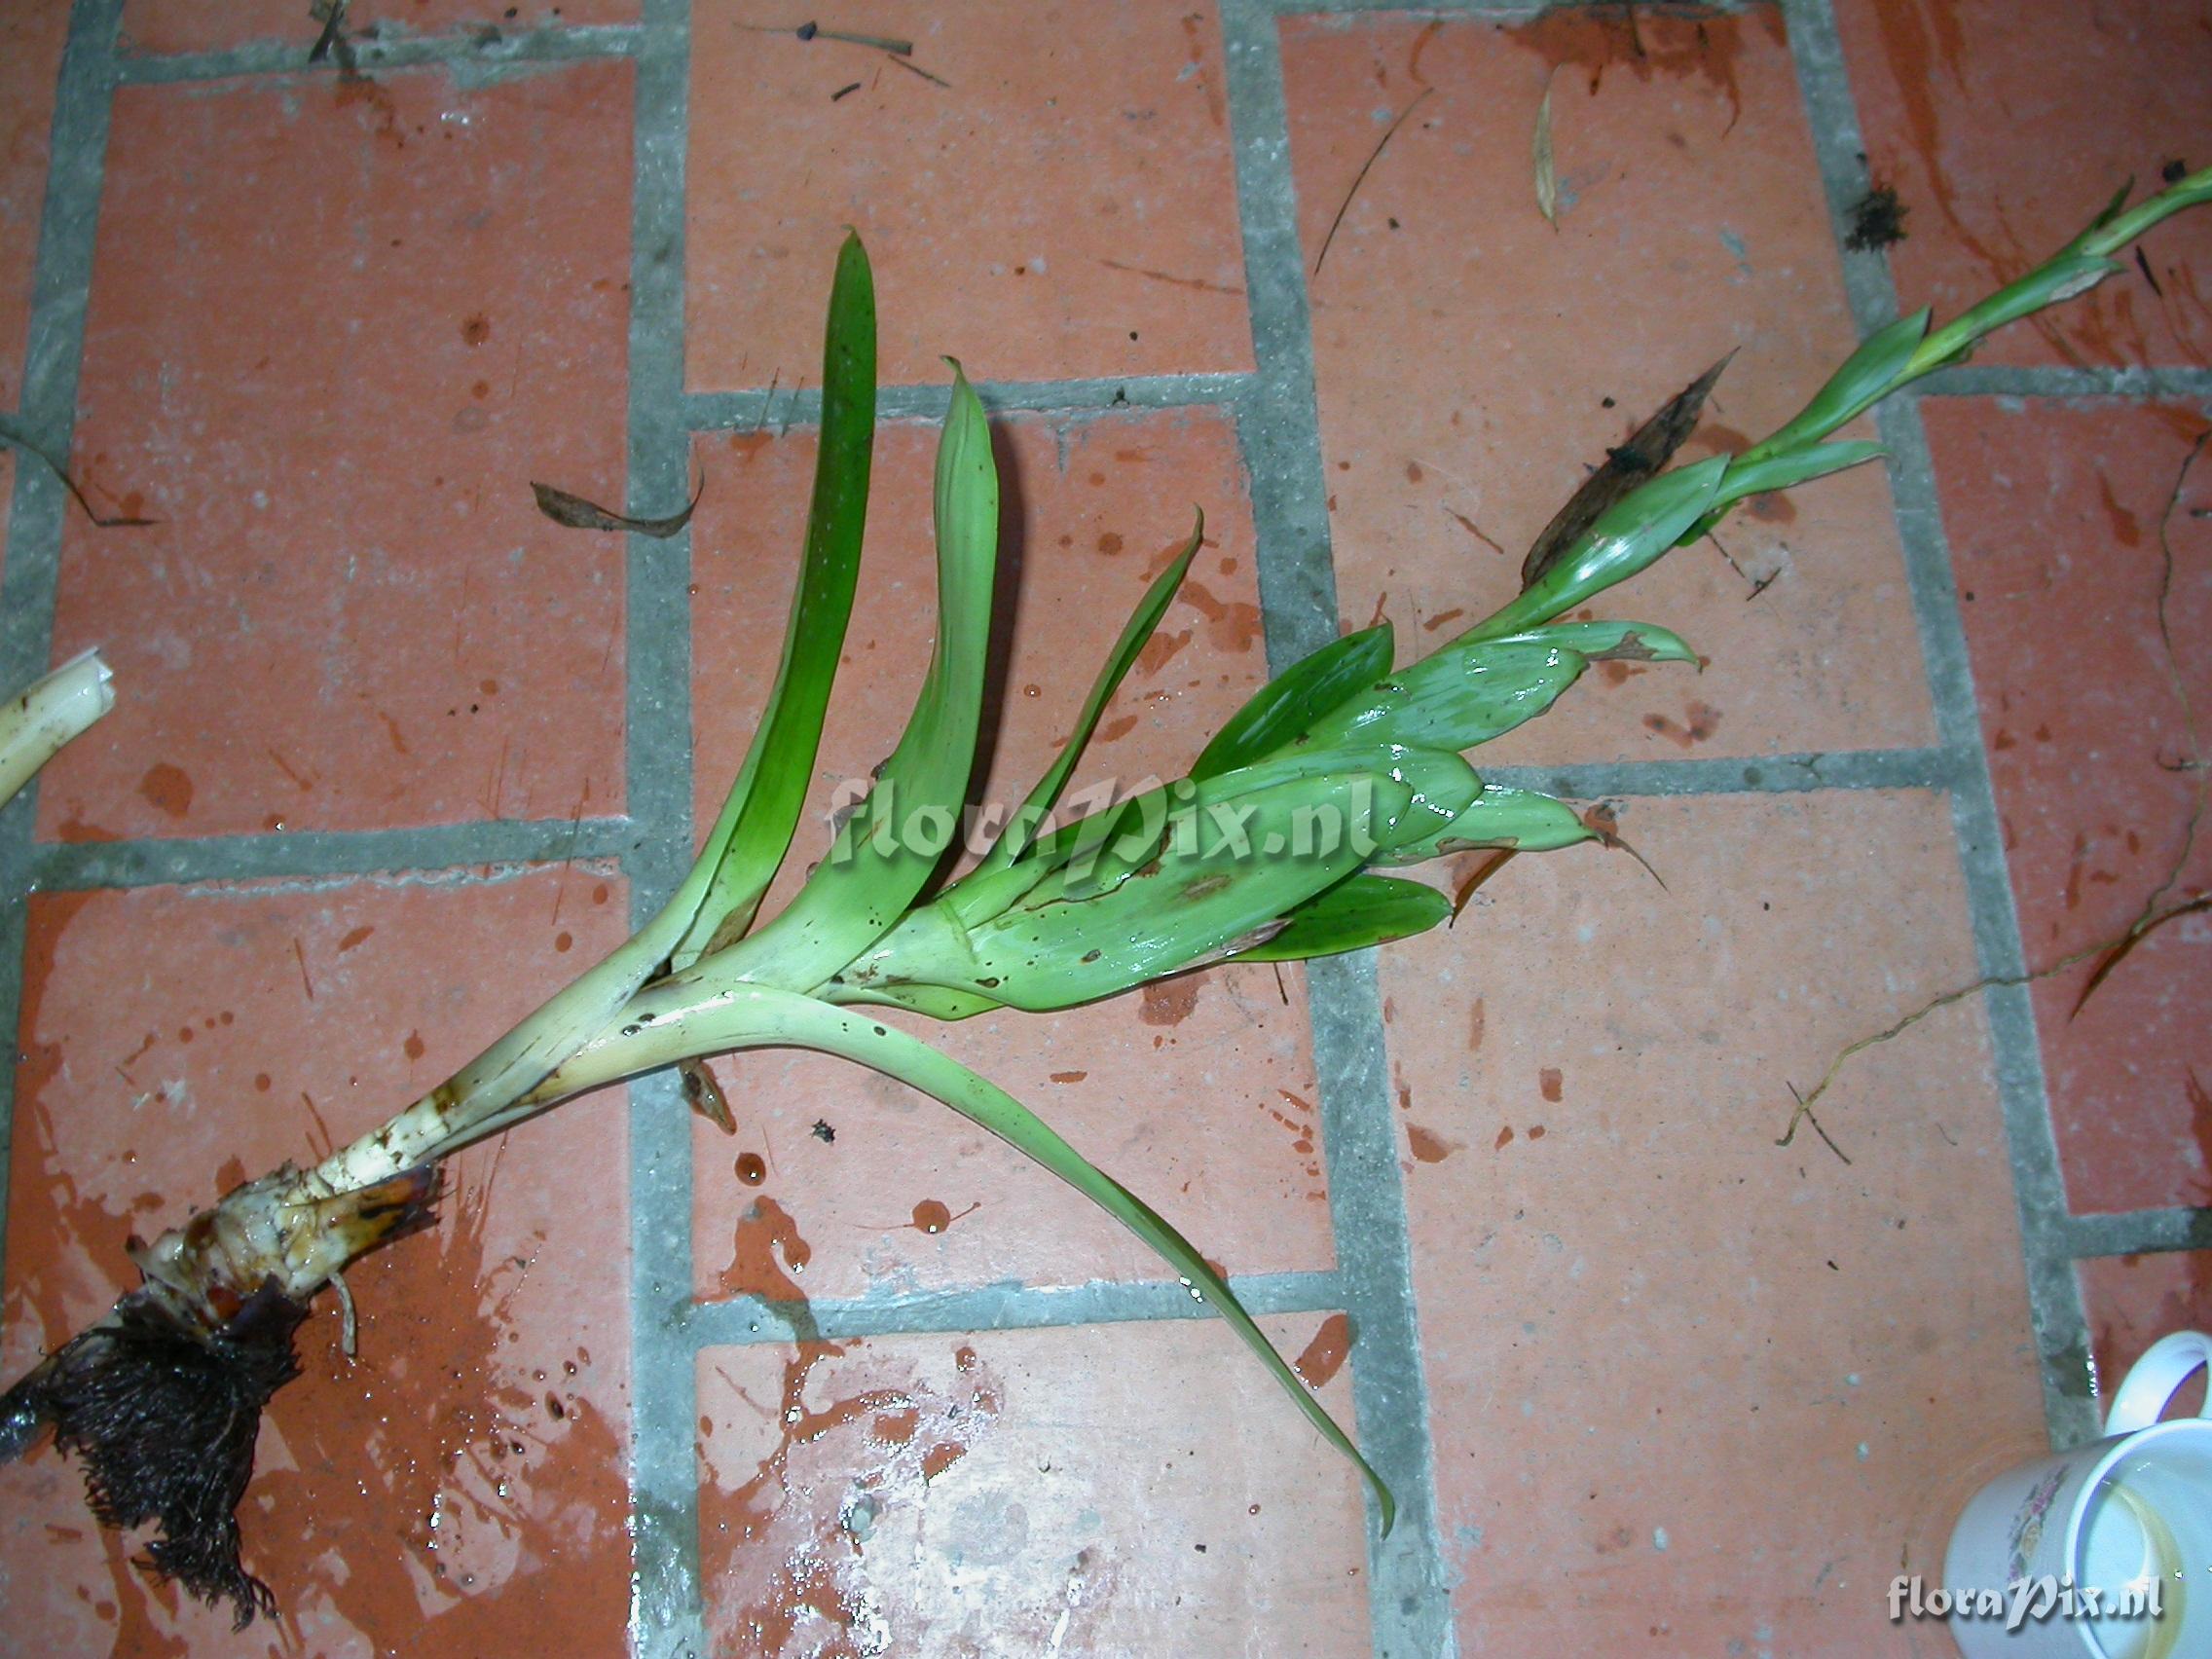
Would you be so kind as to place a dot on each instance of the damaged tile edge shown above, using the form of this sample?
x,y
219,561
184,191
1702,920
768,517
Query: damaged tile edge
x,y
1011,1306
2056,1315
472,58
342,854
755,408
1278,430
61,277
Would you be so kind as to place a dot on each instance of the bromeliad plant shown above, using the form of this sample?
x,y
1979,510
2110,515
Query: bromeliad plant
x,y
1271,849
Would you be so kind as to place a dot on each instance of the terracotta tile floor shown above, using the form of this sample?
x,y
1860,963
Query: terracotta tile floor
x,y
393,755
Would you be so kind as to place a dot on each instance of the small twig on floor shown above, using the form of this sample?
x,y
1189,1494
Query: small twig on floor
x,y
1988,981
1360,178
1805,1111
2149,917
908,63
1757,584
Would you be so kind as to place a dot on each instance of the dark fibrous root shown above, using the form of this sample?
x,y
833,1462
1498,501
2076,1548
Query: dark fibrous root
x,y
164,1418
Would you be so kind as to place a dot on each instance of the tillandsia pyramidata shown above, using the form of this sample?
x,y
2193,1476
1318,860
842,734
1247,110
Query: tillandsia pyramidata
x,y
1273,847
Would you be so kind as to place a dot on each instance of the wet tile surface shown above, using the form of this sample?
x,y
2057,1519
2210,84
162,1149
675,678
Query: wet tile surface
x,y
352,614
1473,361
1199,1093
32,38
1649,1331
2059,530
1065,208
2135,1300
1116,1489
469,1475
151,26
1945,91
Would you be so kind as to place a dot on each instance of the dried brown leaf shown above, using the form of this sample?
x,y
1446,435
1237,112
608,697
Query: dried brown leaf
x,y
1649,449
577,513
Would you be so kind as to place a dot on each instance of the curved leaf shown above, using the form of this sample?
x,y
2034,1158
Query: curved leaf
x,y
860,891
1134,634
1279,712
753,830
660,1029
1359,911
1520,819
517,1062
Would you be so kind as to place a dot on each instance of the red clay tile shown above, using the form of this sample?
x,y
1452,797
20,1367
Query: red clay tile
x,y
31,38
1690,1389
1135,1488
435,1494
2132,1300
152,27
2004,126
1473,361
1067,206
1199,1094
352,614
2053,513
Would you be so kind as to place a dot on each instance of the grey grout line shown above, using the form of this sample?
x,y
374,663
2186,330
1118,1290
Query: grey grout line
x,y
1012,1306
667,1613
1994,380
481,55
1279,423
2134,1233
79,865
47,409
800,406
2054,1296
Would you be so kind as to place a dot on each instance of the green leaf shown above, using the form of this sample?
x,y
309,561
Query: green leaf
x,y
1520,819
2061,278
662,1026
878,863
1627,536
754,830
1134,634
726,866
1280,711
1787,471
1877,368
1358,912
